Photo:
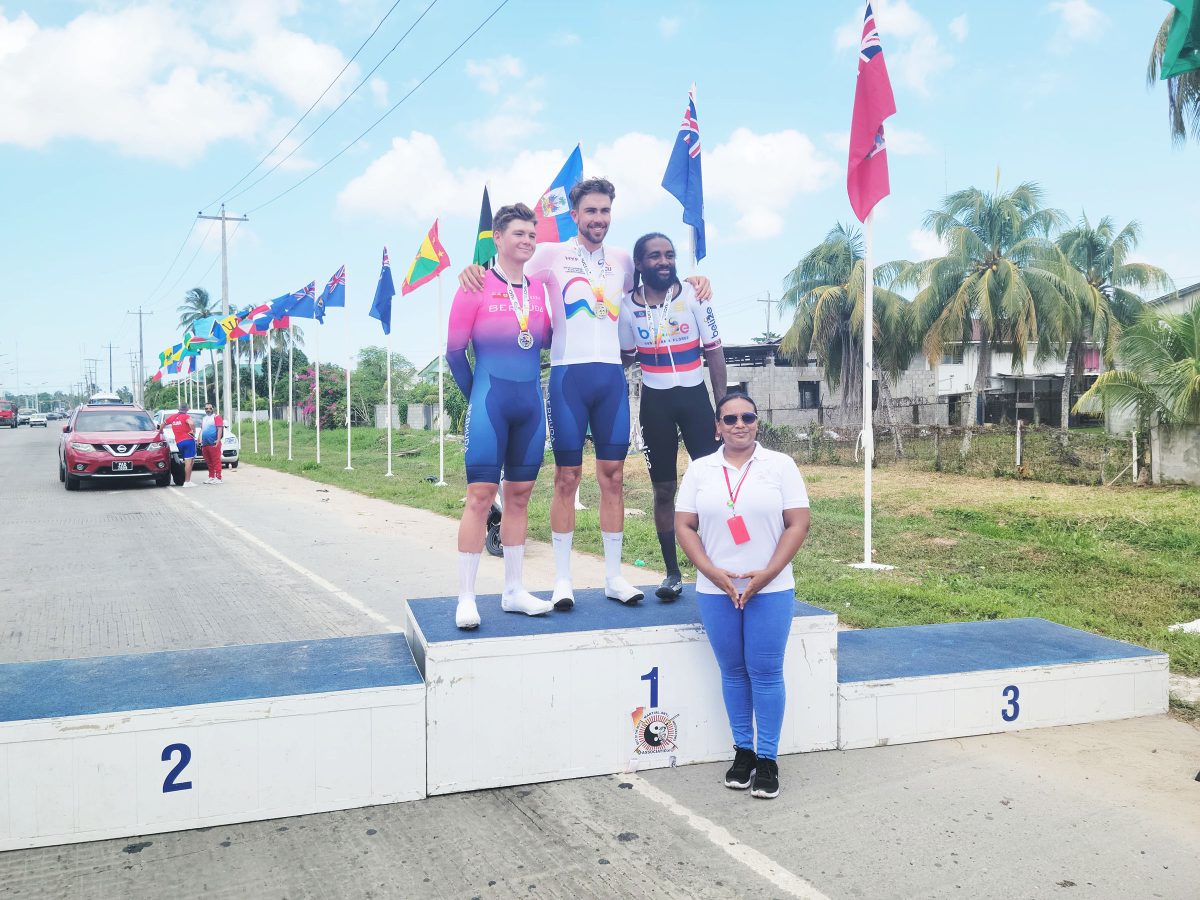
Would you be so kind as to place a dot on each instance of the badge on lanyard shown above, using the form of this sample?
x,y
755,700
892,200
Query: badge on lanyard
x,y
737,525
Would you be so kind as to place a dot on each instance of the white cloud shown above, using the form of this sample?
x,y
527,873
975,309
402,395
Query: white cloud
x,y
634,164
925,244
958,27
490,74
913,50
668,26
1078,20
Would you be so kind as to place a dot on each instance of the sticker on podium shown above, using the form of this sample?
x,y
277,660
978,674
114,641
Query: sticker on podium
x,y
130,745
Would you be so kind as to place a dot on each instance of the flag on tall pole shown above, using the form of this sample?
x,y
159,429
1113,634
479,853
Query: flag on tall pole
x,y
381,309
866,185
485,244
334,294
431,259
1182,51
553,209
683,179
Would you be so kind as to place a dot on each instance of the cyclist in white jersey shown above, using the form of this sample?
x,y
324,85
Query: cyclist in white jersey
x,y
670,334
587,390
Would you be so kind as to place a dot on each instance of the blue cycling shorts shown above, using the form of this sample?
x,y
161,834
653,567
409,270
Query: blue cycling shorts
x,y
187,449
588,396
505,430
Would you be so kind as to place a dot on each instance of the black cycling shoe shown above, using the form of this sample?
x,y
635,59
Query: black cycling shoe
x,y
766,779
739,774
670,589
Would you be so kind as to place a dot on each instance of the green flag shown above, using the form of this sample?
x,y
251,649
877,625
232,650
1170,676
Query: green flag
x,y
485,246
1182,53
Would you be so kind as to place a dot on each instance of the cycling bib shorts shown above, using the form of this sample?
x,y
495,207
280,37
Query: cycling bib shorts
x,y
665,415
588,397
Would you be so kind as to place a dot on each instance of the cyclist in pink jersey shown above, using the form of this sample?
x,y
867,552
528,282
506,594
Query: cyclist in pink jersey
x,y
587,390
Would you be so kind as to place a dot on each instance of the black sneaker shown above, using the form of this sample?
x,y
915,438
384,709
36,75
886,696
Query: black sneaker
x,y
670,589
739,774
766,779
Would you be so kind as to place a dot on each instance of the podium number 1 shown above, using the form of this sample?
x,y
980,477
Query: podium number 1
x,y
1013,693
185,757
652,677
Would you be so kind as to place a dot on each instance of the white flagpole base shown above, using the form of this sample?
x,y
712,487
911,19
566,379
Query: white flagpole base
x,y
440,484
871,565
389,474
348,469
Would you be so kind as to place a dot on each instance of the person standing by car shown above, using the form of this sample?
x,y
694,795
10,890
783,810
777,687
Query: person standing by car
x,y
212,432
741,516
185,440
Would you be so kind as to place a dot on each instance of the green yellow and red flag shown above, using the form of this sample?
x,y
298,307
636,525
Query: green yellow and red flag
x,y
430,260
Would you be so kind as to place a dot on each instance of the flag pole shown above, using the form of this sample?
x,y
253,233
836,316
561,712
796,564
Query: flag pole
x,y
349,422
253,396
388,365
238,393
270,397
868,374
291,385
317,388
441,482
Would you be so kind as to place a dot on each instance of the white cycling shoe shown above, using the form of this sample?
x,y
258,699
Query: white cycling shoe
x,y
622,591
466,614
524,602
563,597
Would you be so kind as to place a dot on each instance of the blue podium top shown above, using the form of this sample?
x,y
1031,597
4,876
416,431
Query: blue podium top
x,y
593,612
877,654
107,684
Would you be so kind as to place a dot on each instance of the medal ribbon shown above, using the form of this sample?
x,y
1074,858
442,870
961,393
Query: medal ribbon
x,y
520,310
734,491
597,286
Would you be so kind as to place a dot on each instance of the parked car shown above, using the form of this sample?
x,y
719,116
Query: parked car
x,y
112,442
23,415
231,446
37,419
8,414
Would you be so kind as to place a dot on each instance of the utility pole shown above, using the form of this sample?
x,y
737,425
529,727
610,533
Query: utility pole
x,y
91,374
228,396
110,347
769,303
139,392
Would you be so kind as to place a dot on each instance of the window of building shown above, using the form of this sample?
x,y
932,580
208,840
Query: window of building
x,y
810,394
952,355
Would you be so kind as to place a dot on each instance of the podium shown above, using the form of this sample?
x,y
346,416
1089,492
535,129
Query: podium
x,y
601,689
928,682
126,745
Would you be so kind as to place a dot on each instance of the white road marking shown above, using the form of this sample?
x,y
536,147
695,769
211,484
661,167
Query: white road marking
x,y
346,597
759,863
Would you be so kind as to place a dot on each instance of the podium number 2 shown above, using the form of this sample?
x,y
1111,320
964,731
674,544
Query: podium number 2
x,y
1013,693
185,757
652,677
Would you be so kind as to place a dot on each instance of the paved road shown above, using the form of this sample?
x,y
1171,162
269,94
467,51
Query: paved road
x,y
1100,811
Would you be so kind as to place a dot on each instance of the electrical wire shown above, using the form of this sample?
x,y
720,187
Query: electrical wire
x,y
174,259
191,262
315,103
396,106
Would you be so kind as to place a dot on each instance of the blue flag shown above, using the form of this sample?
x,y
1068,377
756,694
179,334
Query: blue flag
x,y
682,178
381,306
298,303
333,295
553,209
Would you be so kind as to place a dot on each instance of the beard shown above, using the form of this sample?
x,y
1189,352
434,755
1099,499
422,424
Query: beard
x,y
659,281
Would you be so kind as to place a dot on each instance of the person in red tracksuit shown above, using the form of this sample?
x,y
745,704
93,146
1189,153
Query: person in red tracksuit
x,y
212,430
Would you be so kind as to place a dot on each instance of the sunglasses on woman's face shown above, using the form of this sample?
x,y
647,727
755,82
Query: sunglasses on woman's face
x,y
748,418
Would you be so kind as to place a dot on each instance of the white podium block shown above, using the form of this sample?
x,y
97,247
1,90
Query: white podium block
x,y
601,689
926,682
119,746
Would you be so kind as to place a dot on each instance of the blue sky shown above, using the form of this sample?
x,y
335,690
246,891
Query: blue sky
x,y
119,121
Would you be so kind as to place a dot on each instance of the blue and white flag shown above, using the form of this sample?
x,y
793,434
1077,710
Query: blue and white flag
x,y
682,178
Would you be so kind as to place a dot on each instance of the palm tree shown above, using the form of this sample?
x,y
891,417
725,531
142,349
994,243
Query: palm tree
x,y
1183,91
1160,373
197,304
825,295
1104,301
1002,283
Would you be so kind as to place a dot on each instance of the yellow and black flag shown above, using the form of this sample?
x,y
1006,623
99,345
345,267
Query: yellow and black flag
x,y
485,247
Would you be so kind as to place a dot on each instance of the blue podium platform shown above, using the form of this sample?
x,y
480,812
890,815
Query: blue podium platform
x,y
925,682
123,745
577,693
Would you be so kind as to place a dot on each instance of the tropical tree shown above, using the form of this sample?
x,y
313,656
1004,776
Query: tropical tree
x,y
1160,370
825,295
1183,91
1003,282
1105,301
197,304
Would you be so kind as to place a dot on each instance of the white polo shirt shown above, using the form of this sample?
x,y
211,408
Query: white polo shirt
x,y
773,484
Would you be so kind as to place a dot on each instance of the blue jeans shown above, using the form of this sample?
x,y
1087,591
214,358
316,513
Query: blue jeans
x,y
749,645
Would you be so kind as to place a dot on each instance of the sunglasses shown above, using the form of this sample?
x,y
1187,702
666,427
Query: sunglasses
x,y
747,418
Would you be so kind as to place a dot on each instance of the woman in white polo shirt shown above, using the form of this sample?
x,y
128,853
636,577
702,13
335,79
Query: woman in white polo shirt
x,y
741,516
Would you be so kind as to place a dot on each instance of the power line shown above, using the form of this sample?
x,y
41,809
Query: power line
x,y
328,88
191,262
174,259
397,105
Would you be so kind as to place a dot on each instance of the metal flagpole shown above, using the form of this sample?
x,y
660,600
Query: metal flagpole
x,y
237,371
441,482
349,421
868,375
317,386
388,365
253,396
291,386
270,397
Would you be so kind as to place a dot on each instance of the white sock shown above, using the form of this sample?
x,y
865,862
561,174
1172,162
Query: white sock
x,y
561,540
468,566
612,552
514,560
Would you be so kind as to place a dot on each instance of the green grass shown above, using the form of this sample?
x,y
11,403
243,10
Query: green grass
x,y
1121,561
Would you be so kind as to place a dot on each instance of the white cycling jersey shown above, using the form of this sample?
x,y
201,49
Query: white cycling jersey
x,y
669,339
585,291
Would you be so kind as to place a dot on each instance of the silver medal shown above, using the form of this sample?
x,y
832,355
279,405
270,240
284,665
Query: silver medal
x,y
525,340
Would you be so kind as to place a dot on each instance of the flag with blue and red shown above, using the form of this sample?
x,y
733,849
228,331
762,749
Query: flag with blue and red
x,y
257,320
867,168
333,295
683,178
385,290
304,302
553,210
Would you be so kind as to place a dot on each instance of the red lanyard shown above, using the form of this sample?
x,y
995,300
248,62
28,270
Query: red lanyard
x,y
734,491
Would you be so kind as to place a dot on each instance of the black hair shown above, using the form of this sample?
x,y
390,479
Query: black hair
x,y
592,186
515,212
735,395
639,253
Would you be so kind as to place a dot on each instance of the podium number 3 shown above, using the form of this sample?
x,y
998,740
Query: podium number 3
x,y
652,677
185,757
1013,693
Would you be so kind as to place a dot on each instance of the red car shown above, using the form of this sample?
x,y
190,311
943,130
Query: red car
x,y
8,414
108,441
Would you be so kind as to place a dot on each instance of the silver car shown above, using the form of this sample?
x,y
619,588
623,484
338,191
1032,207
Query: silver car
x,y
231,446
